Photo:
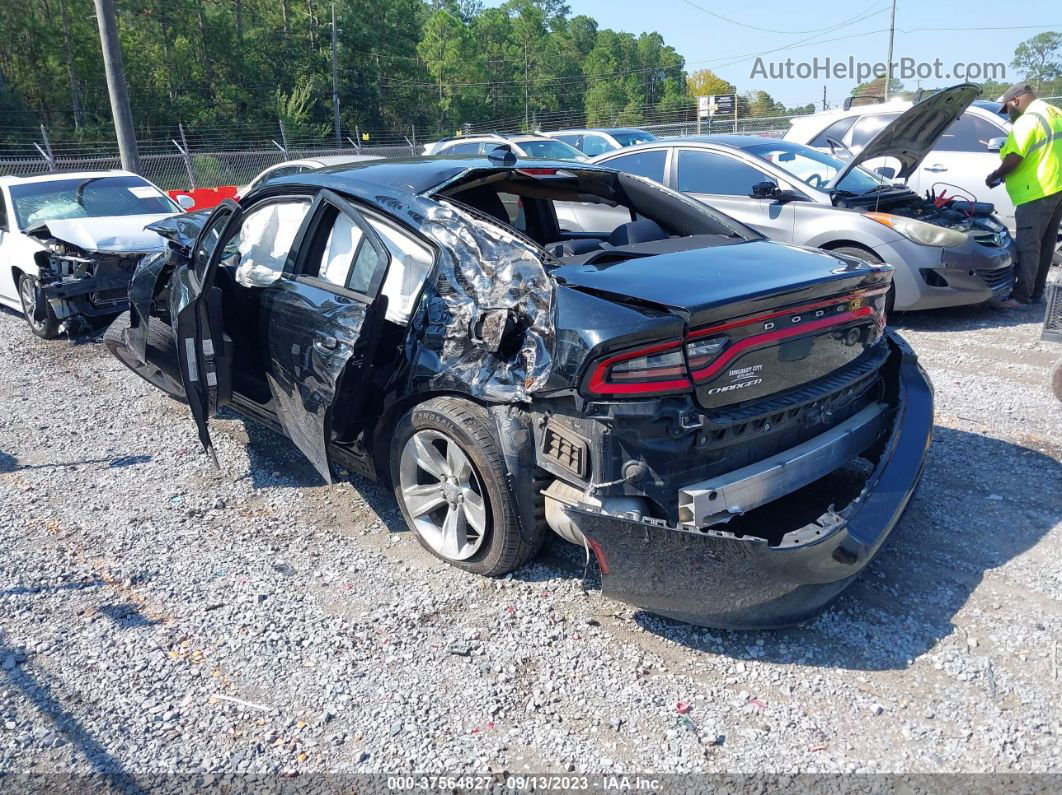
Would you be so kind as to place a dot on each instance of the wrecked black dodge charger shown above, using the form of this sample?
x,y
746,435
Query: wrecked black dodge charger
x,y
722,421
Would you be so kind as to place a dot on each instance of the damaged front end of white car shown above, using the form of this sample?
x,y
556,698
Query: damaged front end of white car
x,y
83,272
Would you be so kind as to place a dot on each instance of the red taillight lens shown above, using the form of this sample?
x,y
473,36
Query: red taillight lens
x,y
653,370
701,353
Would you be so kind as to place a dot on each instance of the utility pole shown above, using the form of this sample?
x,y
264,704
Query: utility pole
x,y
527,119
116,85
888,63
335,79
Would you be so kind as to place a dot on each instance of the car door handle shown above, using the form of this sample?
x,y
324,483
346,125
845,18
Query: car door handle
x,y
325,342
936,168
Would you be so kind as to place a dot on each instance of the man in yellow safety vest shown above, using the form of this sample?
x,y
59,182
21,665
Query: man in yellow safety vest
x,y
1032,168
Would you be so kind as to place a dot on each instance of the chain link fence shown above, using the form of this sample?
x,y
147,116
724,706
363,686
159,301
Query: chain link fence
x,y
179,171
232,158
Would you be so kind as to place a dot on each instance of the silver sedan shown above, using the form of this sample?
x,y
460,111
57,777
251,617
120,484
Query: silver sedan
x,y
954,254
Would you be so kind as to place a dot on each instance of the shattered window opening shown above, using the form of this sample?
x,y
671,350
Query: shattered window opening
x,y
86,197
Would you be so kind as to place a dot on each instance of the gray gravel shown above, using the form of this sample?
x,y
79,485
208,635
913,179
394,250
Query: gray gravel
x,y
160,616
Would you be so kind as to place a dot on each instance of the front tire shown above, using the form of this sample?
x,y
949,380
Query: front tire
x,y
46,328
452,488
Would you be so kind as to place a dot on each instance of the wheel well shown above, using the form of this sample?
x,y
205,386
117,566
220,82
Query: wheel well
x,y
835,244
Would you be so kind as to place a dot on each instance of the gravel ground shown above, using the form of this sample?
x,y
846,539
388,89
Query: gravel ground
x,y
159,616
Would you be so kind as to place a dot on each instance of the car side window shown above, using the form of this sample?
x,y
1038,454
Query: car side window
x,y
411,261
595,145
643,164
969,133
869,126
713,172
351,258
349,261
208,239
259,248
835,132
467,148
571,140
3,212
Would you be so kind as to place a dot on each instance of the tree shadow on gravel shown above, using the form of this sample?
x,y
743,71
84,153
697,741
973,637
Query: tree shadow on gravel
x,y
112,461
126,616
964,318
38,691
982,503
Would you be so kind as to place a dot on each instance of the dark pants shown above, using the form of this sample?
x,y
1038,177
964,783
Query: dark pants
x,y
1037,232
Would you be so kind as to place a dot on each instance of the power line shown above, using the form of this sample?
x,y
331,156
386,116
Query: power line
x,y
770,30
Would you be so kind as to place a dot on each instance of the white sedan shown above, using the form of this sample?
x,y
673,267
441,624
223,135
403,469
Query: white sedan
x,y
69,243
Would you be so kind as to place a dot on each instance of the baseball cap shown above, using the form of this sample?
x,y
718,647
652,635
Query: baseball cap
x,y
1015,90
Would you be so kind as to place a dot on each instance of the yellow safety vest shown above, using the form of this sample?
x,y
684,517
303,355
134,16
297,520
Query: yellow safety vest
x,y
1037,137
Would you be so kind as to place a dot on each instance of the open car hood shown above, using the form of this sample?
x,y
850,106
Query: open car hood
x,y
915,132
118,233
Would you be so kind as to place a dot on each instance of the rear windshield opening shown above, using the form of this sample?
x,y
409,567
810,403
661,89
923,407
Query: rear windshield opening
x,y
571,212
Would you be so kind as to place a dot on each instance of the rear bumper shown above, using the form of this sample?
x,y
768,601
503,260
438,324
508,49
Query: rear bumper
x,y
714,578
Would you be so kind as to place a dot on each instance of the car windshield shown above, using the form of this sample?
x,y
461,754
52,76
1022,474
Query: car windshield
x,y
633,138
554,150
87,197
815,168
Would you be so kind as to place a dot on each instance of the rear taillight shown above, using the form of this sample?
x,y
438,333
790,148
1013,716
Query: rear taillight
x,y
701,353
653,370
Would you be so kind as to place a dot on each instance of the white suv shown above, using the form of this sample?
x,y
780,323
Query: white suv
x,y
961,159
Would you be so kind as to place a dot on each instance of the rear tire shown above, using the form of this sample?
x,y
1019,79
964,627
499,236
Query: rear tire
x,y
870,256
449,476
46,329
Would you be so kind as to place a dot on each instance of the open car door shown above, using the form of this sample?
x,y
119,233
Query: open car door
x,y
323,323
204,353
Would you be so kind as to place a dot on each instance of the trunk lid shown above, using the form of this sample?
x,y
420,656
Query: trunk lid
x,y
761,317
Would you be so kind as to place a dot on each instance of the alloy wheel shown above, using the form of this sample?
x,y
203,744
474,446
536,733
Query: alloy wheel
x,y
28,294
443,495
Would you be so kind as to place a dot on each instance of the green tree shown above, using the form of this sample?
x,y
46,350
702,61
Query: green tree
x,y
1039,59
876,88
705,82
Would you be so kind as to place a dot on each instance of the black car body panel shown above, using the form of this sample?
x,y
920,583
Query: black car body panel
x,y
545,344
722,578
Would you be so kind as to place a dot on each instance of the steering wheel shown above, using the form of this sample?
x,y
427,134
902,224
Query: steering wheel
x,y
814,180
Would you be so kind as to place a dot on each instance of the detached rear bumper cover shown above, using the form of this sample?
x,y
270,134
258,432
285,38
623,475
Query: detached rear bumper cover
x,y
715,579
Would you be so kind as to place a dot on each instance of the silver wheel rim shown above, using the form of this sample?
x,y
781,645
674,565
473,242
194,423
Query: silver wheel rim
x,y
29,302
443,495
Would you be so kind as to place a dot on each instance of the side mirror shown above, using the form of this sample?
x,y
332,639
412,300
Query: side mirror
x,y
995,144
765,190
886,171
185,201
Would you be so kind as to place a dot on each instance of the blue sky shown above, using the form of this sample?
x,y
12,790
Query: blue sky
x,y
707,41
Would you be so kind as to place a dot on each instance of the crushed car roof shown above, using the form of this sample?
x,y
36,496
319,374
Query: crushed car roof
x,y
418,174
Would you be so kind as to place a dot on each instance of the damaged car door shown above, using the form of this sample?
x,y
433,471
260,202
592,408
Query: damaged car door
x,y
195,314
322,322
